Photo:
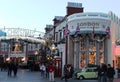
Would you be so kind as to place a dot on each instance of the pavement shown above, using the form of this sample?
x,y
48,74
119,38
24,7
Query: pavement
x,y
28,76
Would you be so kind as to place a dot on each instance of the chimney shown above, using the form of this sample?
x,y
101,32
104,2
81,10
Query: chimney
x,y
73,8
57,19
48,28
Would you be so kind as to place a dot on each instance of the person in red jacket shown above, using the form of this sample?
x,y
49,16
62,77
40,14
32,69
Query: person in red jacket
x,y
51,73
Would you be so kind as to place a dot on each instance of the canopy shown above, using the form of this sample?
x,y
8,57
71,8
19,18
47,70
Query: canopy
x,y
2,33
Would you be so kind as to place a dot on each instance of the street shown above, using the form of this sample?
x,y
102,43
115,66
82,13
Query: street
x,y
28,76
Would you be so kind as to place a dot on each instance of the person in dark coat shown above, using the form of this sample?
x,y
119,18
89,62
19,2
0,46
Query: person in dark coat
x,y
105,72
100,73
66,73
15,68
10,68
71,71
110,73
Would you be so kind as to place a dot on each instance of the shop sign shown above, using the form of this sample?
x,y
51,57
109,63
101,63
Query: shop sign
x,y
89,24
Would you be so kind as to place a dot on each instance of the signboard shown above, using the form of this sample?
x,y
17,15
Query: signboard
x,y
88,24
86,21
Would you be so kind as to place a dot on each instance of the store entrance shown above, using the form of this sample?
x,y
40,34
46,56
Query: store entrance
x,y
58,67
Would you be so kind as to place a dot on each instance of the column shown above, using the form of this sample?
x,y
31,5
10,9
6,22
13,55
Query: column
x,y
74,54
97,52
77,53
87,50
105,51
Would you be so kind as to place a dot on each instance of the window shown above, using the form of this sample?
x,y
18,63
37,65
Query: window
x,y
83,45
56,36
89,70
30,47
4,46
92,46
60,35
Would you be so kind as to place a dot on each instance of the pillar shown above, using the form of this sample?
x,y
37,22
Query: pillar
x,y
87,52
77,53
97,52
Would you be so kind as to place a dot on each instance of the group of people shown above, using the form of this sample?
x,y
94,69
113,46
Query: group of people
x,y
68,72
12,67
48,71
105,72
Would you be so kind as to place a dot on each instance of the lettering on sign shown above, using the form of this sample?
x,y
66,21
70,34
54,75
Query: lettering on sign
x,y
89,24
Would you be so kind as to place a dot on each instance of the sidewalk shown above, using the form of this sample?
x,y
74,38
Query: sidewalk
x,y
77,80
28,76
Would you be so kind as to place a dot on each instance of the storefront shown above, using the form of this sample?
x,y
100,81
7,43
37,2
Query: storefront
x,y
117,57
89,36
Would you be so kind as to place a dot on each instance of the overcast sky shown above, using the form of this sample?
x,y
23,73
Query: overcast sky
x,y
35,14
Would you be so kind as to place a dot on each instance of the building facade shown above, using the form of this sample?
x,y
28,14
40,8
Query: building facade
x,y
20,44
85,38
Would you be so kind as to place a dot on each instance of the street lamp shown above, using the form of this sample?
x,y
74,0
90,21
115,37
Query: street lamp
x,y
8,59
36,53
53,46
54,50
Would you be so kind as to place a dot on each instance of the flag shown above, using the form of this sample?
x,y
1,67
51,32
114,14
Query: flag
x,y
108,31
77,30
93,33
66,31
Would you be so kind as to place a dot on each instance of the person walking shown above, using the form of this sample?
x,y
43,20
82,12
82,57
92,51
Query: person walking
x,y
15,64
10,68
47,71
51,73
104,72
66,73
43,70
100,73
71,71
110,73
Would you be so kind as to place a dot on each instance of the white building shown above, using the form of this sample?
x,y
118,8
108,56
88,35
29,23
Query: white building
x,y
93,37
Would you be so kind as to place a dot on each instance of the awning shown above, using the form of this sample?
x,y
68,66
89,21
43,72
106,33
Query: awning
x,y
2,33
88,32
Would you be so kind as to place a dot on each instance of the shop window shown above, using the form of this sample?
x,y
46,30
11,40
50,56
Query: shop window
x,y
82,45
4,47
92,46
101,58
92,58
17,48
82,60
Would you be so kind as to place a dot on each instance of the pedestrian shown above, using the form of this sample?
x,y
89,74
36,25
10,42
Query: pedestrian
x,y
104,72
100,73
51,73
2,66
71,71
66,73
47,71
15,68
110,73
43,70
10,68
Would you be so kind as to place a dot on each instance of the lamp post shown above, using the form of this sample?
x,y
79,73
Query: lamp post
x,y
36,53
53,52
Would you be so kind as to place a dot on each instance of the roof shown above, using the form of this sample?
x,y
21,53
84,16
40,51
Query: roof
x,y
27,39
